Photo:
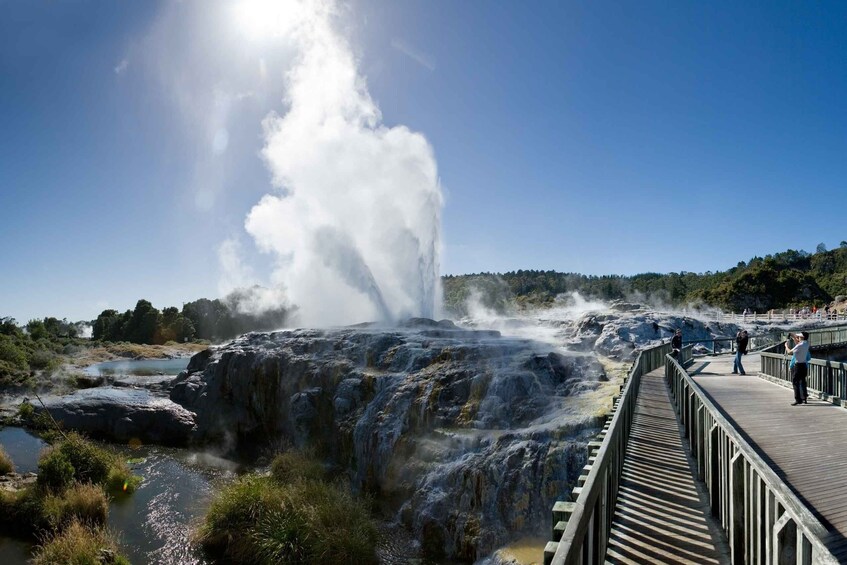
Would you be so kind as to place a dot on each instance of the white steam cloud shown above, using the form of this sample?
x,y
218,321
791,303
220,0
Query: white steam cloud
x,y
355,225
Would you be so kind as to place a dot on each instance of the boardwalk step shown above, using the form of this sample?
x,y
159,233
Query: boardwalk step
x,y
558,530
562,511
575,493
550,551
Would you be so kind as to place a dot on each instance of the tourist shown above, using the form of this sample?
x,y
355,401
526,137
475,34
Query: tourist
x,y
799,365
741,341
676,344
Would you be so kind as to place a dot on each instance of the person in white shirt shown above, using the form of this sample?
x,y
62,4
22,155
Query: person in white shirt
x,y
800,357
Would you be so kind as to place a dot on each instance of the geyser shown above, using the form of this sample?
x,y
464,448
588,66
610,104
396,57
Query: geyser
x,y
355,224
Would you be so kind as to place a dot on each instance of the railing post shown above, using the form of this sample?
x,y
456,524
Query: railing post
x,y
714,470
736,508
785,540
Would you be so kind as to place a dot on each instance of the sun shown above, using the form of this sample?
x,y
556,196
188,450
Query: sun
x,y
263,19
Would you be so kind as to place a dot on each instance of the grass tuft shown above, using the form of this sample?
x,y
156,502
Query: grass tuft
x,y
84,503
293,465
79,544
6,465
75,458
290,516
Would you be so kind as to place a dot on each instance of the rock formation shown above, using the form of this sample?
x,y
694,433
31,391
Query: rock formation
x,y
470,435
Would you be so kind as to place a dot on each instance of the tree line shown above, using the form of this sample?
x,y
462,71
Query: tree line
x,y
212,320
790,279
40,344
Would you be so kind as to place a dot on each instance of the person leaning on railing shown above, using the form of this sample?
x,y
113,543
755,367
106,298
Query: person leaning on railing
x,y
676,344
799,369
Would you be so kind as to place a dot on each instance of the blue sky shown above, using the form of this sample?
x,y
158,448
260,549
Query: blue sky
x,y
590,137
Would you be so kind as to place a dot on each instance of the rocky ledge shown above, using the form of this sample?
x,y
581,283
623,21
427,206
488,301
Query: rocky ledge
x,y
122,414
468,436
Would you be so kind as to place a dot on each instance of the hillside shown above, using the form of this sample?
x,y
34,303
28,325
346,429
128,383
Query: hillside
x,y
790,279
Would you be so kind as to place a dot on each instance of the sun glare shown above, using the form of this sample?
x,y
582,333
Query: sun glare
x,y
263,19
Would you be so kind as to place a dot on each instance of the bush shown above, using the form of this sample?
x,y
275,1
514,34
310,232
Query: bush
x,y
293,465
84,503
259,520
6,465
43,359
15,512
55,471
121,480
80,545
13,354
26,410
88,463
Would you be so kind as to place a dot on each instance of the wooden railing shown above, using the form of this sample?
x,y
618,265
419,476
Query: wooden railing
x,y
581,527
762,518
826,379
820,315
724,345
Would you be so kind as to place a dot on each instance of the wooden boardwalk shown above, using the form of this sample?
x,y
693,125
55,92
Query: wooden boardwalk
x,y
802,444
661,516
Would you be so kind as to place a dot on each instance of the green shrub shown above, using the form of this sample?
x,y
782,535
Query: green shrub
x,y
6,465
260,520
80,545
13,354
43,359
55,471
35,510
26,410
84,503
292,465
90,462
121,480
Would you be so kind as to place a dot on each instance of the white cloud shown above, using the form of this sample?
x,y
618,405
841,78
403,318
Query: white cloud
x,y
416,55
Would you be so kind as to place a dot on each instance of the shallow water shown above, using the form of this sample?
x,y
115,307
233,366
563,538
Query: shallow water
x,y
23,447
139,367
154,523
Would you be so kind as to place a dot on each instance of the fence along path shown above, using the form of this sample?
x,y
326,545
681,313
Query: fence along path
x,y
803,445
660,516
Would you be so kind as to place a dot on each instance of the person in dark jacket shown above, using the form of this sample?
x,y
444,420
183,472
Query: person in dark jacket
x,y
741,341
676,343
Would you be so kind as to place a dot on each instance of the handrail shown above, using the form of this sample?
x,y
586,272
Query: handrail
x,y
723,345
827,379
788,317
763,519
581,528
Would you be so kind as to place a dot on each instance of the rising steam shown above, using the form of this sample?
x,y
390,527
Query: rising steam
x,y
355,224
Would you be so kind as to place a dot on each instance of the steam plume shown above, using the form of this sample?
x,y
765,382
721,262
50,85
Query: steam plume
x,y
355,226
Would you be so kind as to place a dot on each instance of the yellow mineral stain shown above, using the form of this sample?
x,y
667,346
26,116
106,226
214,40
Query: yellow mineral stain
x,y
526,551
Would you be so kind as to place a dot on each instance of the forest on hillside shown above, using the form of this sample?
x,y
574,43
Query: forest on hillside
x,y
790,279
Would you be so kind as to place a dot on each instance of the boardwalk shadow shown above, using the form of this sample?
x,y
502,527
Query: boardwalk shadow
x,y
659,516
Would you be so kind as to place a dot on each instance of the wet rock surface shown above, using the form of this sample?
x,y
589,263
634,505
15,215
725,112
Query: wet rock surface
x,y
122,414
619,332
468,436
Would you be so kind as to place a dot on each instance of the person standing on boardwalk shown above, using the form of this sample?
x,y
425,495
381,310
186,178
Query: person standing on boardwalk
x,y
741,341
799,365
676,344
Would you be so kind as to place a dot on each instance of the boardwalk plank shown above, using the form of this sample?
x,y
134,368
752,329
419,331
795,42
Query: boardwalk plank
x,y
802,444
660,516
